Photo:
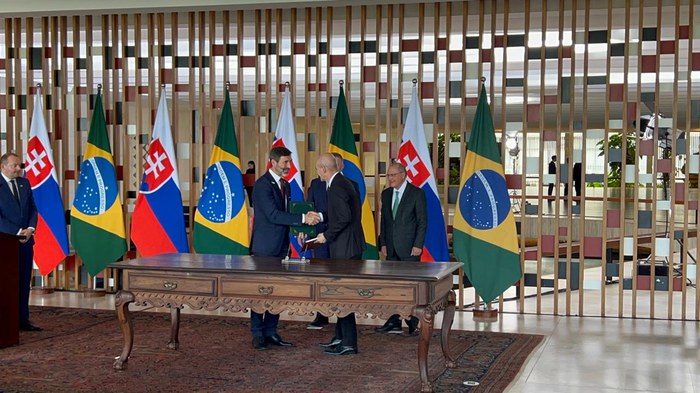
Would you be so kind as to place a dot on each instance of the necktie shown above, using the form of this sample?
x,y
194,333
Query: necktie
x,y
395,206
15,191
283,189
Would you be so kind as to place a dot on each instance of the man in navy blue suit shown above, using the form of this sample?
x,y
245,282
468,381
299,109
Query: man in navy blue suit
x,y
317,195
271,222
18,216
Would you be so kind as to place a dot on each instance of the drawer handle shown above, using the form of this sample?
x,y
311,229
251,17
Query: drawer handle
x,y
365,292
265,290
169,285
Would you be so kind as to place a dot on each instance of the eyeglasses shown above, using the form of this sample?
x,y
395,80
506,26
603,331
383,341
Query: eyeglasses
x,y
393,174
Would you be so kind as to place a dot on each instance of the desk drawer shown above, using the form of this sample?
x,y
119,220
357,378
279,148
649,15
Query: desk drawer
x,y
342,292
266,289
185,285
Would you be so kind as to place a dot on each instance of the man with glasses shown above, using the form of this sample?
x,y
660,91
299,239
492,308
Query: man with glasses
x,y
404,221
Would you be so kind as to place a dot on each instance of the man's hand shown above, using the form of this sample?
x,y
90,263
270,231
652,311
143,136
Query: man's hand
x,y
383,251
415,251
26,233
320,238
312,218
301,237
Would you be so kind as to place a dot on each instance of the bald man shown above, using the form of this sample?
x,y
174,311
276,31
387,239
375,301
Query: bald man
x,y
346,239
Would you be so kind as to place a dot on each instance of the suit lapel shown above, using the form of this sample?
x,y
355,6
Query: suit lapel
x,y
275,186
5,190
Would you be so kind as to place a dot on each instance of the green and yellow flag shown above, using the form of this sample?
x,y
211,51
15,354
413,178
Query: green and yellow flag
x,y
97,222
343,143
485,238
221,220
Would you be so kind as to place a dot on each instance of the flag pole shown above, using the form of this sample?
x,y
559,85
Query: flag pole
x,y
488,314
43,289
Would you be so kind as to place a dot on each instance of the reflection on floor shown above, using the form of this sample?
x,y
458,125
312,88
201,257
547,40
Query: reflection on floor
x,y
579,354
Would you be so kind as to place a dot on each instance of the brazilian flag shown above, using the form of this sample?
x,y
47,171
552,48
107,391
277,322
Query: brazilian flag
x,y
97,221
343,143
221,220
485,239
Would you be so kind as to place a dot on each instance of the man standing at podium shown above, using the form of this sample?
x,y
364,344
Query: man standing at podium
x,y
18,216
271,223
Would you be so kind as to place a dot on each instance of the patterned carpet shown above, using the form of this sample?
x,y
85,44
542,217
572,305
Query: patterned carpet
x,y
75,353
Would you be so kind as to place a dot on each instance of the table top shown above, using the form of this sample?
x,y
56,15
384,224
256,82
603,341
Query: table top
x,y
210,263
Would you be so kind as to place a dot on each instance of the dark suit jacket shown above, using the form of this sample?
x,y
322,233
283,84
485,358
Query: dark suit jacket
x,y
407,229
13,217
317,195
270,219
344,233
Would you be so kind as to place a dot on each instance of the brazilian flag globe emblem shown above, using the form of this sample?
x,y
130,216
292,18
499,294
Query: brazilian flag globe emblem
x,y
485,238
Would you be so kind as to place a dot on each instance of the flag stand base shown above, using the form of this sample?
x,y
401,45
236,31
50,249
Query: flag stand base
x,y
489,315
42,290
94,293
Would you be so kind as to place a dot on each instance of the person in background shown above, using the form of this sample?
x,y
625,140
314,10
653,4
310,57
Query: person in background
x,y
404,220
249,189
317,194
578,179
552,170
18,216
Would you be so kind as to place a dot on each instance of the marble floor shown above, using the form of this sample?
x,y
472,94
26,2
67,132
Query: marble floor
x,y
579,354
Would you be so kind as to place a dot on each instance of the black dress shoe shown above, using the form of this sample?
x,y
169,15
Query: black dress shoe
x,y
412,326
275,339
259,343
331,344
389,328
341,350
318,323
28,327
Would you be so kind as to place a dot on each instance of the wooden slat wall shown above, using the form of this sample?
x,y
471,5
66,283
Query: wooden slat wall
x,y
245,48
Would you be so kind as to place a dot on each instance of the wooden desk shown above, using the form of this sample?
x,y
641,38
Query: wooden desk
x,y
333,287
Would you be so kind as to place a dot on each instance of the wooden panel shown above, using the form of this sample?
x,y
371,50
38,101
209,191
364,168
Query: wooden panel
x,y
269,290
346,290
173,283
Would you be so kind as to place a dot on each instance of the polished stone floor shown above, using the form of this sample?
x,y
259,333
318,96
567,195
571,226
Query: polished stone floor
x,y
588,354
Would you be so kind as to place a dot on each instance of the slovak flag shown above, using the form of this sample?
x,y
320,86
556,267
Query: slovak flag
x,y
158,224
51,237
414,155
286,136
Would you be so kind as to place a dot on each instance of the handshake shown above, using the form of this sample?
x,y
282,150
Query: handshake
x,y
312,218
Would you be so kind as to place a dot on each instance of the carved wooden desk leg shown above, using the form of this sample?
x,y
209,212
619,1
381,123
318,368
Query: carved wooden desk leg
x,y
174,328
447,319
121,304
427,317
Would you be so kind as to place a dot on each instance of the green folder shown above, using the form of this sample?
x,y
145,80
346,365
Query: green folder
x,y
300,207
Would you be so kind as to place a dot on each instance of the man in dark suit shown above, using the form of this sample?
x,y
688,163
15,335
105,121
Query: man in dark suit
x,y
317,194
402,230
270,238
578,179
18,216
552,170
346,239
249,188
